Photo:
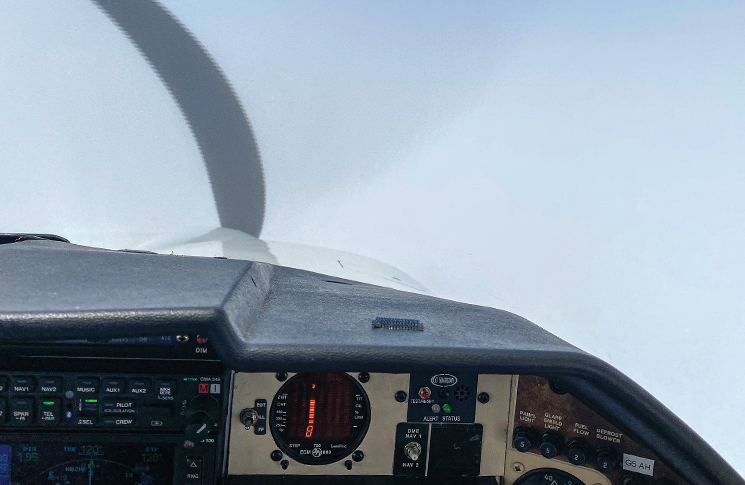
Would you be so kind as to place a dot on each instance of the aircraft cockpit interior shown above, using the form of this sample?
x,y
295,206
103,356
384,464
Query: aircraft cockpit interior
x,y
167,364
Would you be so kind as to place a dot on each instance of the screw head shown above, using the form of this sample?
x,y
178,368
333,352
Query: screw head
x,y
281,376
401,396
276,455
483,397
358,455
363,377
518,467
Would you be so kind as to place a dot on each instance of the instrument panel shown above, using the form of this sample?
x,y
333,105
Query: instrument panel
x,y
83,421
91,425
204,397
521,429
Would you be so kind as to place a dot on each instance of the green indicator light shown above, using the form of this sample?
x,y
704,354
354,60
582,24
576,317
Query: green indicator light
x,y
446,408
49,403
91,400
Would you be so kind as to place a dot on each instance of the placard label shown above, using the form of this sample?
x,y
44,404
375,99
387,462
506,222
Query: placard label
x,y
638,464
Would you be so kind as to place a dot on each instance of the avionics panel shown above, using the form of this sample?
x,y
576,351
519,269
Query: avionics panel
x,y
93,459
86,420
89,400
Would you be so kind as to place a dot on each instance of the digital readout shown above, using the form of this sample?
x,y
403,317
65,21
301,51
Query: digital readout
x,y
320,407
85,464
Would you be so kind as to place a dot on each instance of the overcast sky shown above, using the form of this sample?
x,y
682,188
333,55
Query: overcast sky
x,y
580,164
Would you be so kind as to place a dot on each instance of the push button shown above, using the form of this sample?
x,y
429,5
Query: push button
x,y
165,390
119,406
3,410
48,411
193,470
118,422
86,385
21,411
139,387
3,384
23,384
113,386
50,385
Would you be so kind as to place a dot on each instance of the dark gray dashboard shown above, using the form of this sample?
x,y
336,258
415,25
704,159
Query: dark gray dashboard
x,y
265,318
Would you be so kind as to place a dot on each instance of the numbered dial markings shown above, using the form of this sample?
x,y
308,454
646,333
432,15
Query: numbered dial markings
x,y
548,476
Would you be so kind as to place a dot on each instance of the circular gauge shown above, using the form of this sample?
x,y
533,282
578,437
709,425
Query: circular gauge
x,y
548,476
319,418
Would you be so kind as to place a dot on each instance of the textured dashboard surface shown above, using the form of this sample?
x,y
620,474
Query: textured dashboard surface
x,y
261,317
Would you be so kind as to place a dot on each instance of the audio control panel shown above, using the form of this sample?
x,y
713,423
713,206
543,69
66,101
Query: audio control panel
x,y
91,401
93,420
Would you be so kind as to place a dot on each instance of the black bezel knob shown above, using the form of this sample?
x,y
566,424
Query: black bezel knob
x,y
551,445
523,439
606,459
632,479
578,452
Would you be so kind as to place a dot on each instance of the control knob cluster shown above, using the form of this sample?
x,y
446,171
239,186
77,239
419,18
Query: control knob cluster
x,y
551,444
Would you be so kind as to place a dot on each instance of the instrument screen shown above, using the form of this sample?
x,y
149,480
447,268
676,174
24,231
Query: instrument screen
x,y
319,418
85,464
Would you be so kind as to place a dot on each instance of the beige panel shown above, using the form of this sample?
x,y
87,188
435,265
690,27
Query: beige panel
x,y
518,464
495,417
249,453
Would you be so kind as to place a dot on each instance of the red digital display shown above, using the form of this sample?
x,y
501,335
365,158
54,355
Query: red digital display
x,y
320,407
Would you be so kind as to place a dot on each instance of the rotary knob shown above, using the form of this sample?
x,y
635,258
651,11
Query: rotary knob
x,y
577,452
523,439
629,479
551,444
606,459
203,409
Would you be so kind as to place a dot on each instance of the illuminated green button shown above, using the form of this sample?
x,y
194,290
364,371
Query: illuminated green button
x,y
48,412
446,408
